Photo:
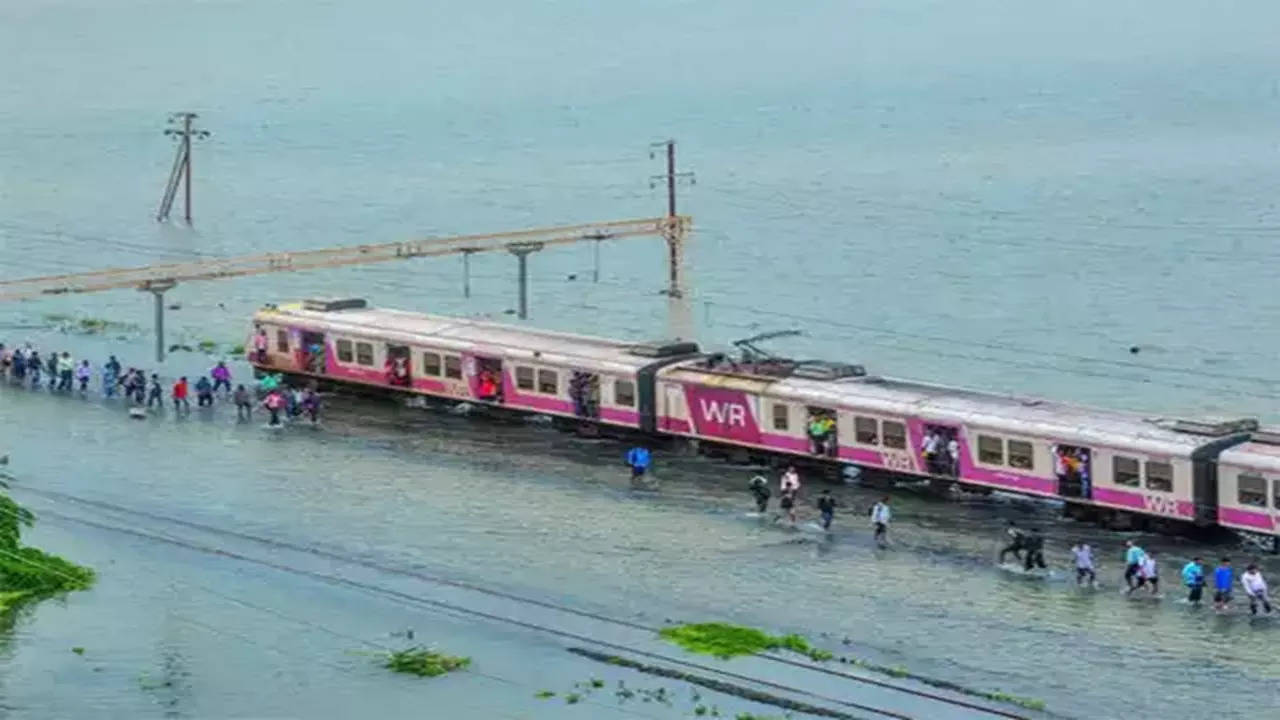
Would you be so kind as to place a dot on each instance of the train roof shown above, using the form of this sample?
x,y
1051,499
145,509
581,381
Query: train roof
x,y
352,317
1010,414
1262,452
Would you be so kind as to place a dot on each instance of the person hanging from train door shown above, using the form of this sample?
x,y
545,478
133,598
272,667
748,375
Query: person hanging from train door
x,y
930,450
826,508
1133,556
639,459
880,517
759,487
260,346
1017,543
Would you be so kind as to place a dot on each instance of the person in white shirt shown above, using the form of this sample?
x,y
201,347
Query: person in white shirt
x,y
931,451
789,488
1256,588
880,515
1147,574
953,456
1084,564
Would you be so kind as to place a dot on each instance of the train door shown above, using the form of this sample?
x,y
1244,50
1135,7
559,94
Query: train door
x,y
820,427
487,383
584,391
1073,465
313,352
941,449
399,365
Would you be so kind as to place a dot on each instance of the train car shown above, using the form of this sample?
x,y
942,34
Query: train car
x,y
1249,483
1115,463
589,379
1102,462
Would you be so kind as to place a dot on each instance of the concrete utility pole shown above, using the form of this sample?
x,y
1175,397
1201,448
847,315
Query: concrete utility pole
x,y
675,230
180,174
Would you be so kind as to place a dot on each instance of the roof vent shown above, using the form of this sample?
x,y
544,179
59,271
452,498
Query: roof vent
x,y
822,370
1212,427
334,304
664,348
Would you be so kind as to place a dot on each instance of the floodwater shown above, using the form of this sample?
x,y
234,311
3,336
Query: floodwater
x,y
1005,197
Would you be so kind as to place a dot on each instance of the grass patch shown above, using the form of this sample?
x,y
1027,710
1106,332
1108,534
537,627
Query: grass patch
x,y
727,641
27,571
207,345
424,662
237,350
78,650
1025,702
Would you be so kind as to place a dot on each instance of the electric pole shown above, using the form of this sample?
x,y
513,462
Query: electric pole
x,y
180,174
675,231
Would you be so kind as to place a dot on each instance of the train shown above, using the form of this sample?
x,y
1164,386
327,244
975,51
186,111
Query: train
x,y
1121,468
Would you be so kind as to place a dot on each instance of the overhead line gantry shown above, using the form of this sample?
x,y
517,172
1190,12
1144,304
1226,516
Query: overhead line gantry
x,y
158,279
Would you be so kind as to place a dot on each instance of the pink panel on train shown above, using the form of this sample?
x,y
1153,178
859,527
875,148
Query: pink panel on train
x,y
1246,518
1149,504
722,413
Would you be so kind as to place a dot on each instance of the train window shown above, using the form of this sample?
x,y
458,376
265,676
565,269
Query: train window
x,y
548,382
453,367
866,430
894,434
524,377
431,364
624,393
344,351
1275,493
990,450
1124,471
1159,476
1251,490
364,353
781,415
1021,455
282,340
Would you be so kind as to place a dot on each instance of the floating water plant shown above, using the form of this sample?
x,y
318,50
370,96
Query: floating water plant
x,y
726,641
237,350
544,694
78,650
207,345
424,662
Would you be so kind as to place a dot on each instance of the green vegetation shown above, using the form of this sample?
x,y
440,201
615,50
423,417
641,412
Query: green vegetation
x,y
1026,702
424,662
237,350
544,694
26,572
86,325
727,641
572,698
207,346
78,650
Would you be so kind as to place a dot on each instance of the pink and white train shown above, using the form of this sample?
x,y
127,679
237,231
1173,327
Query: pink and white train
x,y
1112,464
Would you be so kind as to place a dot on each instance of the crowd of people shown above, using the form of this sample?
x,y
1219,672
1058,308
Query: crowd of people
x,y
143,392
1027,546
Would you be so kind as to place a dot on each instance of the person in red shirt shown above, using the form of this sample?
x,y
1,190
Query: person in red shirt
x,y
180,396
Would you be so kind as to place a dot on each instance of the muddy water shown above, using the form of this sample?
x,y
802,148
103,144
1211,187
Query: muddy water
x,y
526,509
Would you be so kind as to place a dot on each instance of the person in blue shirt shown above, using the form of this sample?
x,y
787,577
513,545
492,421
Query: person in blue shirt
x,y
1133,557
1222,578
638,458
1193,578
